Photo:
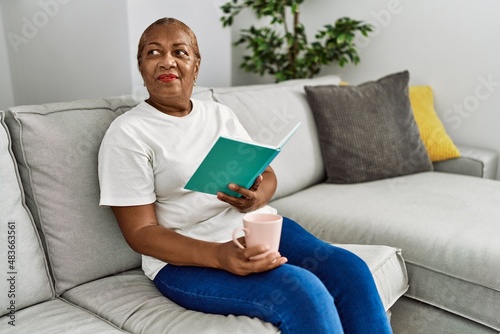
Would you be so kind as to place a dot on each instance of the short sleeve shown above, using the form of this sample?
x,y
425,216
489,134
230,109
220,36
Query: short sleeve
x,y
125,176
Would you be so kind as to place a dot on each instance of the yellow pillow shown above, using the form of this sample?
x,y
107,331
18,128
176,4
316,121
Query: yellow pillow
x,y
439,145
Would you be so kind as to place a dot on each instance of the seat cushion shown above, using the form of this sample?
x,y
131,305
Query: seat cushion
x,y
447,226
25,279
56,147
132,302
57,316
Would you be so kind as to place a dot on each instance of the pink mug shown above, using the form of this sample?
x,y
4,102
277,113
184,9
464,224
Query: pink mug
x,y
260,229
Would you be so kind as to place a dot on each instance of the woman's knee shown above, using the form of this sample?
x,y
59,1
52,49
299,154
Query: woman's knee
x,y
352,265
302,303
301,287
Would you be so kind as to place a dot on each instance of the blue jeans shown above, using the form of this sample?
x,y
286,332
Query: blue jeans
x,y
321,289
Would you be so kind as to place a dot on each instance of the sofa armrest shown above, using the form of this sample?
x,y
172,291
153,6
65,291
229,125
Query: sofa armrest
x,y
473,161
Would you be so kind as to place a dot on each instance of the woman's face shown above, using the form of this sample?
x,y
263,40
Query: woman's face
x,y
169,67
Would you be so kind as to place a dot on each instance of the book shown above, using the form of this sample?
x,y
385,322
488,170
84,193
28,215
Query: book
x,y
234,161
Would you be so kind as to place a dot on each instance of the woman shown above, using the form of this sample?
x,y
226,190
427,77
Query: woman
x,y
147,156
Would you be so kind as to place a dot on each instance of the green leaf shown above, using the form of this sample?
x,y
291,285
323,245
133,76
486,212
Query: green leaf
x,y
341,38
284,52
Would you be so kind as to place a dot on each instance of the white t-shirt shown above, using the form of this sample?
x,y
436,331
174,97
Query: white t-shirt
x,y
148,156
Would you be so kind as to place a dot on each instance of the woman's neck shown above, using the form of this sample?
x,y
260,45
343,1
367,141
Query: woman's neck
x,y
172,109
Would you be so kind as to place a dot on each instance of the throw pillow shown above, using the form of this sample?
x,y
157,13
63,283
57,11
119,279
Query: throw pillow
x,y
368,132
439,145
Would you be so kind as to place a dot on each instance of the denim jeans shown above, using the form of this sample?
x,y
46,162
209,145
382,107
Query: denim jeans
x,y
321,289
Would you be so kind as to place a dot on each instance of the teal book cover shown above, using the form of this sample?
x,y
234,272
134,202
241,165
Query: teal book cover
x,y
233,161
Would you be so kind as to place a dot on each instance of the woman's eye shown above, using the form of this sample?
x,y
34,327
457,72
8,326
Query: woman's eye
x,y
153,52
181,52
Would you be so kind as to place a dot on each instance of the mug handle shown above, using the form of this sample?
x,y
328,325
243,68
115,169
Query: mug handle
x,y
235,238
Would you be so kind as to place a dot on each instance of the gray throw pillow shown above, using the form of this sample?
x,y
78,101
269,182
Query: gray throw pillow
x,y
368,132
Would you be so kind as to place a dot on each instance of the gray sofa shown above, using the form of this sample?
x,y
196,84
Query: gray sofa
x,y
65,267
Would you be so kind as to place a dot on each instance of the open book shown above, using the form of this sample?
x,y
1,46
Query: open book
x,y
233,161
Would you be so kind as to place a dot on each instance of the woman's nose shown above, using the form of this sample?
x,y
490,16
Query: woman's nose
x,y
168,60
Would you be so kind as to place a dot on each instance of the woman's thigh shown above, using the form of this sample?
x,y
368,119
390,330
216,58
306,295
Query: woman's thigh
x,y
335,266
291,298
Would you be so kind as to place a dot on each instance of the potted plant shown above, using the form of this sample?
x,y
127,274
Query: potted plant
x,y
281,49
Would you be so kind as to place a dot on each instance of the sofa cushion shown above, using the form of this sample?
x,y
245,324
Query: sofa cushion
x,y
113,298
368,132
447,226
56,147
25,279
432,131
57,316
132,302
269,112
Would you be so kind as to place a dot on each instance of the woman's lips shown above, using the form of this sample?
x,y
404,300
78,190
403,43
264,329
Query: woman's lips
x,y
167,77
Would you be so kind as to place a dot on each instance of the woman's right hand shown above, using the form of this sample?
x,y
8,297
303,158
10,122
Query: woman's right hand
x,y
242,262
145,236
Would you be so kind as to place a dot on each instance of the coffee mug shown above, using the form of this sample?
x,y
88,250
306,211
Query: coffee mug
x,y
260,229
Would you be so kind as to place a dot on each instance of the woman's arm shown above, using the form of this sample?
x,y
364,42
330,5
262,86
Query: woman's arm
x,y
144,235
257,196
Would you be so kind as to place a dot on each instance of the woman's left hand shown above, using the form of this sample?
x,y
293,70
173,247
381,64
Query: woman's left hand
x,y
249,200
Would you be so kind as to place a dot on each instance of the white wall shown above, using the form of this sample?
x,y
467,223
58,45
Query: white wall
x,y
454,46
6,93
63,50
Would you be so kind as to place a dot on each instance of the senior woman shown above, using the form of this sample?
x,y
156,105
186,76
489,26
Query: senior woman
x,y
147,156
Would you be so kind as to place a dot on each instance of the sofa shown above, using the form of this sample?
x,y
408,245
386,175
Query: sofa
x,y
430,237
